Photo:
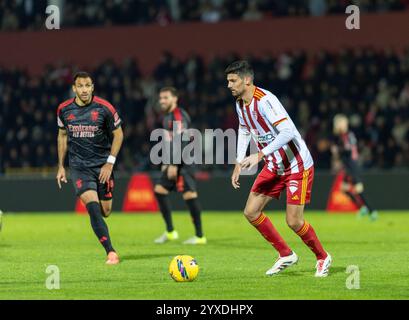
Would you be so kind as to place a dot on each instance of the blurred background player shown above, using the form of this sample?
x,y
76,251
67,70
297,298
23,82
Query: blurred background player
x,y
175,175
288,166
345,154
90,130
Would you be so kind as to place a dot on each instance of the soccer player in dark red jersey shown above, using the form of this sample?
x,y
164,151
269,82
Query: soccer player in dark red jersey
x,y
345,154
177,176
90,131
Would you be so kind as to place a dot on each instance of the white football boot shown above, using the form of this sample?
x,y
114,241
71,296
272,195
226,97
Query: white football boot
x,y
196,240
323,266
282,263
167,236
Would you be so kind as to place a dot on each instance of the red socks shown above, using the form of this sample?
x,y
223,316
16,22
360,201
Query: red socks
x,y
266,228
307,234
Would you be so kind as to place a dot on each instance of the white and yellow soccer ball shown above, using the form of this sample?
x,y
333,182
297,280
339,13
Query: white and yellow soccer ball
x,y
183,268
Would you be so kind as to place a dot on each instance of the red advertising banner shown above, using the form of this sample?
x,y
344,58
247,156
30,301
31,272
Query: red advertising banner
x,y
338,201
139,196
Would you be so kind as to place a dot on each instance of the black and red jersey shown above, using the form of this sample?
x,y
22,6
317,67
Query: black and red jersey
x,y
176,123
89,130
347,147
178,117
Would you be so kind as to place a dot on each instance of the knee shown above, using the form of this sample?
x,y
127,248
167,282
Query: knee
x,y
359,188
251,214
106,211
160,190
189,195
295,223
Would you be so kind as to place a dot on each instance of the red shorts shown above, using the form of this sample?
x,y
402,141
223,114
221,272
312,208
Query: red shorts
x,y
298,185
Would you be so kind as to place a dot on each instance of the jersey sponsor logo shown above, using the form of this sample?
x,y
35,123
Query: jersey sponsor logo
x,y
293,187
94,115
81,131
265,138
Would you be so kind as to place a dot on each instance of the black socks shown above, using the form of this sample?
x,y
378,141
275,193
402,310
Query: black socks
x,y
164,206
363,200
359,200
195,211
99,226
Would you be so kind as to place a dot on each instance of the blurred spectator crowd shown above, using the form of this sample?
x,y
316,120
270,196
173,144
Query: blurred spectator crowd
x,y
371,87
30,14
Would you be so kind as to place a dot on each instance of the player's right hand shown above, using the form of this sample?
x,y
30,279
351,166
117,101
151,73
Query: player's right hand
x,y
61,176
235,177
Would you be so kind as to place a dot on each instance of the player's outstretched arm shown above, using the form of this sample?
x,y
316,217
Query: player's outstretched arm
x,y
107,168
62,141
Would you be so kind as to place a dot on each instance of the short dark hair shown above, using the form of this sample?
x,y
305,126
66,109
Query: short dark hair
x,y
170,89
241,68
82,74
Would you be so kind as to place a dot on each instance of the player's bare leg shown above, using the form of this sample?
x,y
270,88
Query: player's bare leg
x,y
295,220
106,207
91,201
192,201
162,195
253,212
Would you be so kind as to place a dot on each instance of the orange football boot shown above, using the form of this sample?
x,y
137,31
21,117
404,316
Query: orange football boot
x,y
112,258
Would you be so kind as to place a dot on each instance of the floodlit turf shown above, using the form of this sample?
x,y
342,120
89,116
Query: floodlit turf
x,y
232,264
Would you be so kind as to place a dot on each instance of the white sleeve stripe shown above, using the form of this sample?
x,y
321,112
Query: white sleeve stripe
x,y
243,141
59,122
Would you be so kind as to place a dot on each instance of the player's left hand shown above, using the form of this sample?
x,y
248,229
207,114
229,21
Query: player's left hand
x,y
251,160
106,172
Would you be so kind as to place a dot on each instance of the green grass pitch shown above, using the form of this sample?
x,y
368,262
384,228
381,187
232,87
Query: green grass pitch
x,y
232,264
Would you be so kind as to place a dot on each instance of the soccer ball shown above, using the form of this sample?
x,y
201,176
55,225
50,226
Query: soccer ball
x,y
183,268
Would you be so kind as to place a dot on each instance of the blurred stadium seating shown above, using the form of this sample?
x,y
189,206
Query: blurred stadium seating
x,y
372,87
28,14
316,66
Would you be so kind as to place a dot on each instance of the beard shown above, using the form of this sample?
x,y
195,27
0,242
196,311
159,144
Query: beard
x,y
85,100
236,94
166,108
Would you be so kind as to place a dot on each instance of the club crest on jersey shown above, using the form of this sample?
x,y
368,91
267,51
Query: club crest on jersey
x,y
94,115
79,183
293,186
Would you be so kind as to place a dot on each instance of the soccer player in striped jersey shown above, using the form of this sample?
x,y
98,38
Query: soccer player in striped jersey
x,y
288,166
345,152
